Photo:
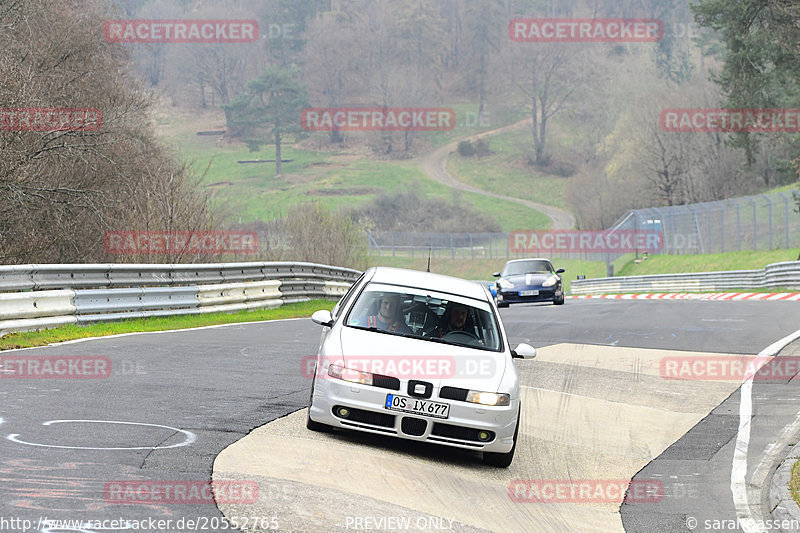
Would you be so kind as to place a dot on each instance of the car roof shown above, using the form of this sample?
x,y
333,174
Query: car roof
x,y
428,280
529,259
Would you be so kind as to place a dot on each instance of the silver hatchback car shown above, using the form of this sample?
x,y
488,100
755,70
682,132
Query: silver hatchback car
x,y
422,357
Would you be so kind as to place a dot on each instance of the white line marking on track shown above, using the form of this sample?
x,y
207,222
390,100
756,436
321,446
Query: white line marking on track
x,y
739,467
190,437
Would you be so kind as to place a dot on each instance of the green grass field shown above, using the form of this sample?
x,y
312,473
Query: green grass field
x,y
668,264
503,171
29,339
338,179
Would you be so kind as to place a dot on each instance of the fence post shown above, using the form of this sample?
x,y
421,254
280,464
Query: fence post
x,y
471,247
738,227
769,207
786,209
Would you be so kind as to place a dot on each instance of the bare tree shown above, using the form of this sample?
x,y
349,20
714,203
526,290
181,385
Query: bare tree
x,y
546,77
63,188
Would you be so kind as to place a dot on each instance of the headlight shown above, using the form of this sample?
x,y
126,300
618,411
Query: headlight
x,y
505,284
348,374
488,398
549,282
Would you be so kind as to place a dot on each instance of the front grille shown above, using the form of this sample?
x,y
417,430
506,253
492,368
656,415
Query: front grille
x,y
366,417
385,382
414,426
454,393
459,432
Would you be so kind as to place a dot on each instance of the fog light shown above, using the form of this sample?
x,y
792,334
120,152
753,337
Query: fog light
x,y
344,412
483,435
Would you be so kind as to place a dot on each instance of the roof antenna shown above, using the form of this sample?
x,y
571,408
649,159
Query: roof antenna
x,y
430,249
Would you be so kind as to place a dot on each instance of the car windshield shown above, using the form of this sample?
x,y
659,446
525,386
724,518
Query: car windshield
x,y
528,267
427,315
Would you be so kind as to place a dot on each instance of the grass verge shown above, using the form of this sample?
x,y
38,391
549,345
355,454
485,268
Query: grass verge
x,y
794,482
669,264
30,339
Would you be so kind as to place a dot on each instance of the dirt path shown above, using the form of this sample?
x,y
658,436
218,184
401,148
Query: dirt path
x,y
435,165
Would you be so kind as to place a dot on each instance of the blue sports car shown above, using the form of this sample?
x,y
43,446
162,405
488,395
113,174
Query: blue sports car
x,y
529,280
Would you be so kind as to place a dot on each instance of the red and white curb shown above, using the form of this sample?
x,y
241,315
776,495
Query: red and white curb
x,y
761,296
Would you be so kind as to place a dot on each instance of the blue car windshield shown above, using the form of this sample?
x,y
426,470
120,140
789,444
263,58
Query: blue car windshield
x,y
527,267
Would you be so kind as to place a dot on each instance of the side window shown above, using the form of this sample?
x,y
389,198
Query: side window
x,y
348,295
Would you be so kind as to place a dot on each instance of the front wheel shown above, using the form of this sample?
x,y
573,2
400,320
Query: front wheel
x,y
502,304
559,300
503,460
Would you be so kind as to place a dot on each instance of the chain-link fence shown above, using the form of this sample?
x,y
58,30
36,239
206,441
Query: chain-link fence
x,y
761,222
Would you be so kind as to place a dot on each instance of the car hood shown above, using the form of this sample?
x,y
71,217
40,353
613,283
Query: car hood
x,y
527,279
406,358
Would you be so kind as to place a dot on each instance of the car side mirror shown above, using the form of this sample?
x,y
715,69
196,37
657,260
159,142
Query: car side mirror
x,y
560,271
496,274
323,318
523,351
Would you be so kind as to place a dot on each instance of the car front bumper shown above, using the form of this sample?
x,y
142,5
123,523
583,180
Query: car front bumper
x,y
513,296
367,413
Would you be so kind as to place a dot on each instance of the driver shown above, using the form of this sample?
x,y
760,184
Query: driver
x,y
454,319
389,317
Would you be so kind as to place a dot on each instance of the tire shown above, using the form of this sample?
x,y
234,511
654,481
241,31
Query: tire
x,y
559,300
310,424
502,304
503,460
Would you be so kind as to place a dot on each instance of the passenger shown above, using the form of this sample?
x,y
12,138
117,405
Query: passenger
x,y
389,316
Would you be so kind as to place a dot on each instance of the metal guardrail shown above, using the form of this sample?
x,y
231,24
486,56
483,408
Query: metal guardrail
x,y
36,297
783,275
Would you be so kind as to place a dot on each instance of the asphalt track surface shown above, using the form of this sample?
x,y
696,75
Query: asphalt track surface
x,y
185,396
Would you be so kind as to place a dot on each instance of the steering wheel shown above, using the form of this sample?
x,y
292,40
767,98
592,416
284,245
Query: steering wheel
x,y
462,337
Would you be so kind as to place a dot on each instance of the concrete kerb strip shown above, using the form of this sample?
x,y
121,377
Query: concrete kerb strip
x,y
781,503
711,296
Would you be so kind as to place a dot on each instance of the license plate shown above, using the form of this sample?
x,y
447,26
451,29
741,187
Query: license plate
x,y
417,406
529,293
